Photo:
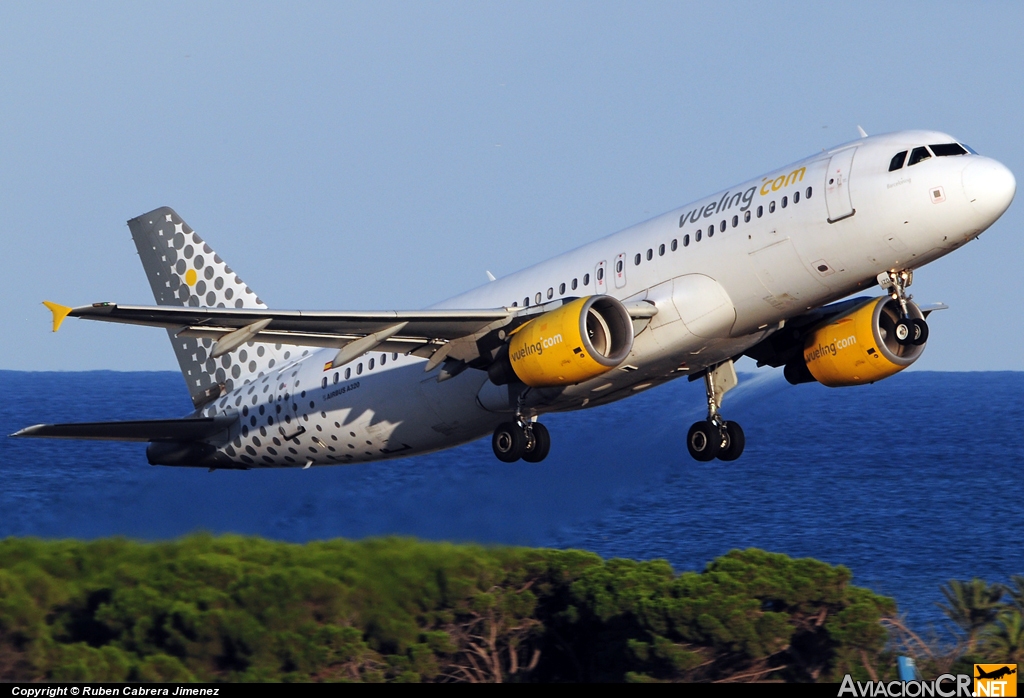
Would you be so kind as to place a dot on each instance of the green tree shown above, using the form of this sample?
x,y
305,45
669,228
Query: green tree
x,y
1016,591
1003,641
971,606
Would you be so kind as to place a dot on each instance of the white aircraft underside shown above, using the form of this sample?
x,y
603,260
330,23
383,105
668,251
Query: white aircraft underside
x,y
751,270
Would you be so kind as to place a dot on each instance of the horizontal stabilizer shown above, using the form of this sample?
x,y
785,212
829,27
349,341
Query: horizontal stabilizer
x,y
193,429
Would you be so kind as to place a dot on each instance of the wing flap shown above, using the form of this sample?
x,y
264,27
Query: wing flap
x,y
191,429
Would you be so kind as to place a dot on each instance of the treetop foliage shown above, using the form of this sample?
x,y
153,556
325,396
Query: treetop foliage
x,y
230,608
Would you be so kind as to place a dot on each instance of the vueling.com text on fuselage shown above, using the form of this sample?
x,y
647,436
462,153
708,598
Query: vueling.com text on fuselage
x,y
730,199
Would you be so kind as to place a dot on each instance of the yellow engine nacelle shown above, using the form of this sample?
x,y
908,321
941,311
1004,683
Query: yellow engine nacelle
x,y
860,347
576,342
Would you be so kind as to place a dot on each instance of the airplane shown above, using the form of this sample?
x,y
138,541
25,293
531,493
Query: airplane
x,y
764,269
995,673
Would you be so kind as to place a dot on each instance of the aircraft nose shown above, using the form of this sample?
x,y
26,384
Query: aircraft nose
x,y
989,186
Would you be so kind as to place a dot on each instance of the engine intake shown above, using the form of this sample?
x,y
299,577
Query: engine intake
x,y
857,348
576,342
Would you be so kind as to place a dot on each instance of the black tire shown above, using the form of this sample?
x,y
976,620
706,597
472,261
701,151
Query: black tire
x,y
920,332
508,442
734,442
703,441
537,448
904,331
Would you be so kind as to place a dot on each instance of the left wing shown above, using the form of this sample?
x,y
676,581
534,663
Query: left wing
x,y
433,334
420,331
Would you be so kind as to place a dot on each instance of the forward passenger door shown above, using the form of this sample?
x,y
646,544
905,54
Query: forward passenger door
x,y
837,186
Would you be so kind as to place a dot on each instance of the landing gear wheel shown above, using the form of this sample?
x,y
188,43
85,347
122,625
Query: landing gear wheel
x,y
734,442
538,445
904,331
508,442
703,441
920,332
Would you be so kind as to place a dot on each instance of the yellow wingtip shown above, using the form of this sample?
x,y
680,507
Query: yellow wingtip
x,y
59,313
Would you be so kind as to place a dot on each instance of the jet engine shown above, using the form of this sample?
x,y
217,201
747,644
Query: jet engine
x,y
576,342
859,347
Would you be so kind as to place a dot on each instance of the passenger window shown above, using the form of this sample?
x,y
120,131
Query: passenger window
x,y
675,244
359,368
618,266
735,221
526,302
561,289
551,293
918,155
600,274
323,384
696,236
515,304
636,261
650,255
760,211
574,284
785,201
807,194
711,230
383,359
946,149
335,377
686,240
538,299
394,356
371,365
721,226
771,207
897,161
348,373
796,197
586,279
746,216
661,250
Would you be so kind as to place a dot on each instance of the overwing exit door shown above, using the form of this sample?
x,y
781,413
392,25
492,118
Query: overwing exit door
x,y
837,186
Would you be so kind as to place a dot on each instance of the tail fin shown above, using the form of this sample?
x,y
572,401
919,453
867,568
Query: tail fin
x,y
183,270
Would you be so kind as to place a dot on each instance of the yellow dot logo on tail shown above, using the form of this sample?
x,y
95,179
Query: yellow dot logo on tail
x,y
190,277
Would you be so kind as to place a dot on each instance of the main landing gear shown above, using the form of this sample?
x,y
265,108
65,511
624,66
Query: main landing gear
x,y
908,330
521,439
716,437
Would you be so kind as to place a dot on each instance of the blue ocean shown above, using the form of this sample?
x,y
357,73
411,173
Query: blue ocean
x,y
909,483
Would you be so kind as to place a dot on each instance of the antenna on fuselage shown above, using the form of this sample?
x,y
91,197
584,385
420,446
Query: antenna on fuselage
x,y
862,132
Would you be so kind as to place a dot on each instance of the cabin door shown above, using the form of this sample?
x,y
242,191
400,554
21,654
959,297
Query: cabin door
x,y
837,186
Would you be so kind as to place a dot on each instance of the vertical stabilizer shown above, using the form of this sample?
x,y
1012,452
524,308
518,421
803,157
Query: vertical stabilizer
x,y
183,270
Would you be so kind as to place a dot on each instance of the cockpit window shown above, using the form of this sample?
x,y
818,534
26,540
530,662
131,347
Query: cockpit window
x,y
944,149
897,161
969,149
917,155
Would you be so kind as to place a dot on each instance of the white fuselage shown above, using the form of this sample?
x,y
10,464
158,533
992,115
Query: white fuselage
x,y
724,273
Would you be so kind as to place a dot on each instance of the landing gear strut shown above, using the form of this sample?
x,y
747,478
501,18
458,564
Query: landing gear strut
x,y
521,438
716,437
908,330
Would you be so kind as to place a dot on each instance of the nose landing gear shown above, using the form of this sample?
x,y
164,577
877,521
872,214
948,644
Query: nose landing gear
x,y
908,330
716,437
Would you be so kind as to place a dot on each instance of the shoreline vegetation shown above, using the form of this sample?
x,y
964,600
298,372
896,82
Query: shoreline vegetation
x,y
233,608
